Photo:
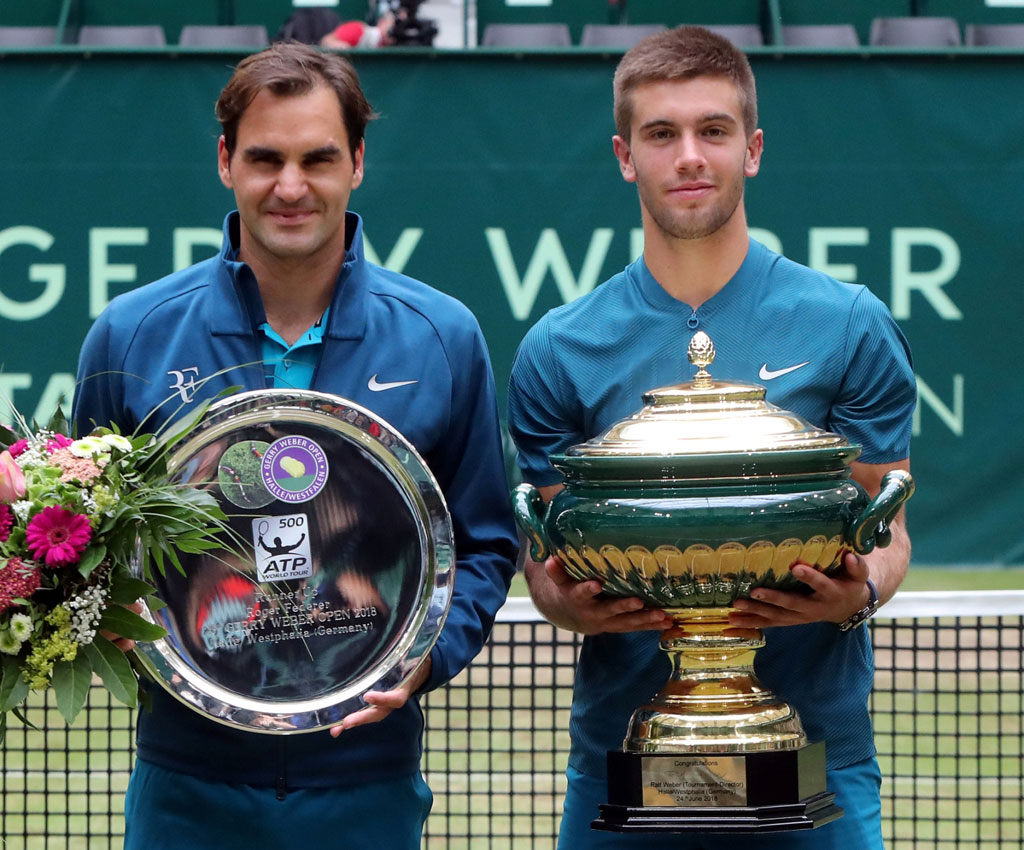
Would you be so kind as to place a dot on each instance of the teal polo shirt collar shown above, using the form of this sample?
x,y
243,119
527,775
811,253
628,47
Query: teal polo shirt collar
x,y
748,277
292,366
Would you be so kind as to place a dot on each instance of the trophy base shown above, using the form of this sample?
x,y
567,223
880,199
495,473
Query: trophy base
x,y
807,814
749,792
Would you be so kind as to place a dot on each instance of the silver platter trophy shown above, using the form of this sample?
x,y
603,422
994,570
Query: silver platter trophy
x,y
339,580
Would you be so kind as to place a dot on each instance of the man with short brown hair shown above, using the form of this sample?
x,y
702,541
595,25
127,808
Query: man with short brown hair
x,y
681,54
292,302
687,136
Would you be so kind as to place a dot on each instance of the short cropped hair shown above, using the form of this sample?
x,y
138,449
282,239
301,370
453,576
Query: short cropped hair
x,y
289,69
682,53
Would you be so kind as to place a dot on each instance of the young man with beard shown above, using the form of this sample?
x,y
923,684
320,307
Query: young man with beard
x,y
291,301
687,136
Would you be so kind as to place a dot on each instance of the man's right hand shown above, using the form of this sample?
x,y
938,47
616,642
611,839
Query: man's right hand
x,y
579,607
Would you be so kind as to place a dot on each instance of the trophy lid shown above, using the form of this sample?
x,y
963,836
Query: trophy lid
x,y
716,427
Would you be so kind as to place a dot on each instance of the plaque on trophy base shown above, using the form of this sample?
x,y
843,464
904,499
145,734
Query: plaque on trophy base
x,y
750,792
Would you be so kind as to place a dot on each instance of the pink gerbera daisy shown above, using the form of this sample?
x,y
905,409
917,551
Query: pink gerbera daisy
x,y
6,521
57,536
17,448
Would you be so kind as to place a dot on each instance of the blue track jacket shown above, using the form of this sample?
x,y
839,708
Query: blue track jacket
x,y
145,361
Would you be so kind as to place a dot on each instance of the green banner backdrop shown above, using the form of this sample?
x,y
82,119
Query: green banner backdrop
x,y
492,177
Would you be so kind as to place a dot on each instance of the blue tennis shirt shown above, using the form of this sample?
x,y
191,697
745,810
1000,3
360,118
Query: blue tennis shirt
x,y
826,350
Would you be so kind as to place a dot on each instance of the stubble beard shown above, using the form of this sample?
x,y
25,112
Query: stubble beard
x,y
692,224
285,246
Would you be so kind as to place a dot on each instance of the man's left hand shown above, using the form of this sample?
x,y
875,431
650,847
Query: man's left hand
x,y
382,703
832,599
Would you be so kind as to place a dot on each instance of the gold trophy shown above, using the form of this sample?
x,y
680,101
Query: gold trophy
x,y
703,495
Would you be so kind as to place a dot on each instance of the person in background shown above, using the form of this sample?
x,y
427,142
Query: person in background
x,y
361,34
687,136
291,301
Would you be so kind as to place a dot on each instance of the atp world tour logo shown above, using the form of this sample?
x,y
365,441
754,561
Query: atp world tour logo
x,y
281,546
294,469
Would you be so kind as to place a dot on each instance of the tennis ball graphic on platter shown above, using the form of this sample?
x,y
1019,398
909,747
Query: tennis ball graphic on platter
x,y
293,466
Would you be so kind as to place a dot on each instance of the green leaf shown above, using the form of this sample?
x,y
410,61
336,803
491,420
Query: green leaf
x,y
71,680
58,422
112,666
156,558
171,435
90,559
7,436
13,688
128,624
125,589
20,714
197,545
140,441
173,555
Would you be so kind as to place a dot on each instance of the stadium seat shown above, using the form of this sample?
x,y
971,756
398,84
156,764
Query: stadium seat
x,y
915,32
122,36
195,35
995,35
526,35
27,36
820,35
617,35
741,35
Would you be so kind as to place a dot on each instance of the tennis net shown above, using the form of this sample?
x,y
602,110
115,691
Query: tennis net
x,y
947,707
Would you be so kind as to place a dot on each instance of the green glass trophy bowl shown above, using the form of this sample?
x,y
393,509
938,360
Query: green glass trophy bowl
x,y
703,495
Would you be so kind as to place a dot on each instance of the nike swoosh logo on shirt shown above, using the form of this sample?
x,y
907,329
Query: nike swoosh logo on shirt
x,y
767,374
378,386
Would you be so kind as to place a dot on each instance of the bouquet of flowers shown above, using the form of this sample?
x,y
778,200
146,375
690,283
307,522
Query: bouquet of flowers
x,y
73,514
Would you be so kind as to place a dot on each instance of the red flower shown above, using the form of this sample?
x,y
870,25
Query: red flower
x,y
59,441
6,521
58,536
17,448
17,581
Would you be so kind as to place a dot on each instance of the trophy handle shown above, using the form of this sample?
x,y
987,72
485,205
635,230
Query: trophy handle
x,y
529,508
871,528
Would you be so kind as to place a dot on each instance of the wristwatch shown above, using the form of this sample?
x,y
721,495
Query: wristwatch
x,y
858,617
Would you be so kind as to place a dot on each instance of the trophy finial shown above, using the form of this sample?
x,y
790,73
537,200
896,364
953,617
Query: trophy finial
x,y
701,354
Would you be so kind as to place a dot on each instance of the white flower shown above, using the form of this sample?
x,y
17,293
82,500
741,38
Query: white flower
x,y
35,455
88,447
116,441
9,644
86,610
21,509
90,507
21,627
